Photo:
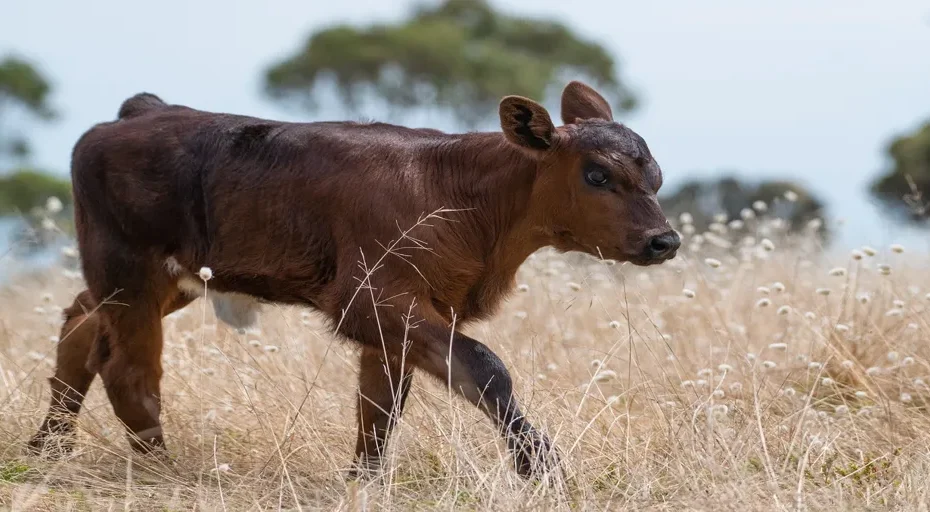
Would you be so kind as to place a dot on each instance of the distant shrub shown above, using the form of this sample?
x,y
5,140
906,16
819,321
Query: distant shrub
x,y
26,189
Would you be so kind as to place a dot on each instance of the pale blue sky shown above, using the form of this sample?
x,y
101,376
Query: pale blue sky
x,y
810,90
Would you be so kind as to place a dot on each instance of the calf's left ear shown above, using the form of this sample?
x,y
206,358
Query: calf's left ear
x,y
526,123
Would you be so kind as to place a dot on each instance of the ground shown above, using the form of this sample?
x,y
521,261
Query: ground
x,y
753,372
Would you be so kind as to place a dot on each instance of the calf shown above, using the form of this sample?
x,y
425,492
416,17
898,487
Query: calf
x,y
331,215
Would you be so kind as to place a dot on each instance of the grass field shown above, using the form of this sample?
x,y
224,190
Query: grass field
x,y
753,372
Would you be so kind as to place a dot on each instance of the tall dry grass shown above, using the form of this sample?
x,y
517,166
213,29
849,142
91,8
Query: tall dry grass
x,y
753,372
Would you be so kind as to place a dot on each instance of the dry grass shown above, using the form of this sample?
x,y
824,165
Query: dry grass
x,y
656,400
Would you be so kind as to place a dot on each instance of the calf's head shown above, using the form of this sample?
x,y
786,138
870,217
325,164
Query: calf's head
x,y
596,183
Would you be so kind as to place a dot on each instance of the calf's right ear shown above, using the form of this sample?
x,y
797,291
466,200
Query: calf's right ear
x,y
526,123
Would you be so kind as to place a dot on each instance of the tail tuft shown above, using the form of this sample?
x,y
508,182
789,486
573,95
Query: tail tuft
x,y
140,104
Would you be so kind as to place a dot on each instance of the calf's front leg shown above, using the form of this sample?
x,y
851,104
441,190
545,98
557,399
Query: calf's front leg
x,y
479,375
421,337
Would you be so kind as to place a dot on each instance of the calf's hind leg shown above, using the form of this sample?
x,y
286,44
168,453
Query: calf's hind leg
x,y
72,378
80,334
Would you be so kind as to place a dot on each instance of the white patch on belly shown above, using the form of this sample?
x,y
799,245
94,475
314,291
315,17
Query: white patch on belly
x,y
235,309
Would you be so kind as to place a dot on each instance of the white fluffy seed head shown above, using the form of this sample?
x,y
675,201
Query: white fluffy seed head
x,y
778,346
760,206
827,381
869,251
905,397
688,293
907,361
898,303
861,395
847,364
842,328
574,286
767,244
863,298
897,248
784,310
769,364
614,324
747,214
687,383
842,409
813,365
763,302
53,204
788,392
884,269
712,262
271,349
720,217
718,393
823,291
791,196
205,273
856,254
810,315
873,370
764,290
605,375
778,287
686,218
892,356
523,288
723,367
705,372
838,272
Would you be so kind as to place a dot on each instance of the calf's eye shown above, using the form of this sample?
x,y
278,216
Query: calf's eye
x,y
596,177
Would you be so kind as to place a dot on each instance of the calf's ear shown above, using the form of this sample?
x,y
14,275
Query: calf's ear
x,y
526,123
580,101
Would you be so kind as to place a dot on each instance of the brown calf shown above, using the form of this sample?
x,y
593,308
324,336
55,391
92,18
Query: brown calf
x,y
302,213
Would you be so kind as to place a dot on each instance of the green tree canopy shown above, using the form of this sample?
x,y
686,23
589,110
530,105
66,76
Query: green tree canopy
x,y
25,189
903,189
460,56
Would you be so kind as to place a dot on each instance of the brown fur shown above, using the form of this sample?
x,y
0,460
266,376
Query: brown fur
x,y
301,213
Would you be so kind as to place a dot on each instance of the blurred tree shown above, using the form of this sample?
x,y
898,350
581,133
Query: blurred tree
x,y
22,86
704,199
25,189
903,189
41,200
460,56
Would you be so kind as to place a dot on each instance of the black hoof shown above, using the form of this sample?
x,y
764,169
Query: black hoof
x,y
534,455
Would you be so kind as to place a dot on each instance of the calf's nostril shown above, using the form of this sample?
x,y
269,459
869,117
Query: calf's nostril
x,y
659,244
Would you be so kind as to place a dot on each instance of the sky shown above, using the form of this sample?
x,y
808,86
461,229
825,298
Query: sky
x,y
807,90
